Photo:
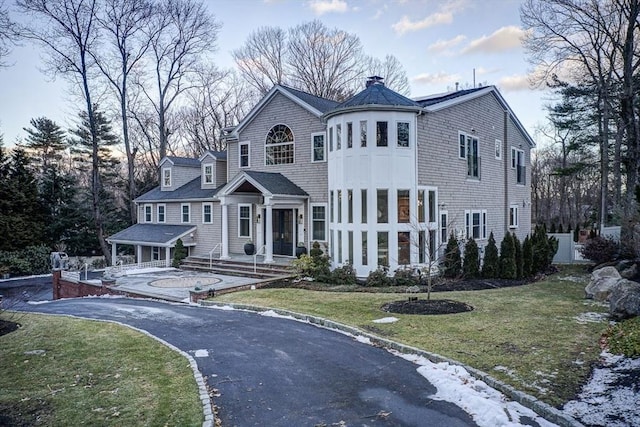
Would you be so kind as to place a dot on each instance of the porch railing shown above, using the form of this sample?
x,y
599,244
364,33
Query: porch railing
x,y
219,245
120,267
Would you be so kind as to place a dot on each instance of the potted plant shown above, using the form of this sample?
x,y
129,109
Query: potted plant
x,y
301,249
249,248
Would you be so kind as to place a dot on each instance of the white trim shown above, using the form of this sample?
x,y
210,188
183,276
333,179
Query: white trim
x,y
240,144
514,220
397,122
164,214
498,148
444,226
165,176
182,206
326,222
210,205
280,144
250,219
144,213
324,147
468,218
204,173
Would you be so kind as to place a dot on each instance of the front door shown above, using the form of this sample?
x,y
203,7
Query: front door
x,y
283,232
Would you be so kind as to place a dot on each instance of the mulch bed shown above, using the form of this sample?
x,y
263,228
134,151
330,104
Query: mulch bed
x,y
7,327
423,306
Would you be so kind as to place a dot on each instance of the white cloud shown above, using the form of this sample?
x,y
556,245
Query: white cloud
x,y
406,25
435,78
505,38
444,45
320,7
515,83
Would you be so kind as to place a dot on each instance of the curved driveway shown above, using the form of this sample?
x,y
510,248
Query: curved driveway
x,y
277,372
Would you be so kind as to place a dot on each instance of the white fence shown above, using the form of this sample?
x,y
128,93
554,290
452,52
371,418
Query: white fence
x,y
73,276
123,268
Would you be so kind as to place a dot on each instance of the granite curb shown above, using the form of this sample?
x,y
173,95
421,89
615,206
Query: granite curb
x,y
545,410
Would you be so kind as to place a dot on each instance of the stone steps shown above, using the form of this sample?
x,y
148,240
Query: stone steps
x,y
267,272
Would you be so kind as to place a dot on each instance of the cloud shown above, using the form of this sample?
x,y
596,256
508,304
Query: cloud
x,y
444,45
320,7
515,82
505,38
437,78
406,25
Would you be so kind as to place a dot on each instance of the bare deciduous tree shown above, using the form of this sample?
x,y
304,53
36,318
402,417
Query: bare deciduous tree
x,y
68,30
395,77
8,34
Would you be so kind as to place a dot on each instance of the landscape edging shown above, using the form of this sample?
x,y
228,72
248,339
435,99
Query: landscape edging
x,y
541,408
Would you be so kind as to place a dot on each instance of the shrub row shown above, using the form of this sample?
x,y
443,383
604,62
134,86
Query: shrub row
x,y
30,260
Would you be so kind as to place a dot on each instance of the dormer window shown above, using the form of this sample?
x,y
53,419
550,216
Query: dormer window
x,y
207,174
166,177
279,146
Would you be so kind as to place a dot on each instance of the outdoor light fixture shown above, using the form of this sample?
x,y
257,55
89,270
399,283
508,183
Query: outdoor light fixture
x,y
300,218
258,218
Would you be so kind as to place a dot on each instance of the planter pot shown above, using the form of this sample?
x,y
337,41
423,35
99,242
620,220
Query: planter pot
x,y
301,250
249,248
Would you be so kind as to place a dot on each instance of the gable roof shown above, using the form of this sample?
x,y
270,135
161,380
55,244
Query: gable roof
x,y
268,183
190,191
181,161
217,155
157,234
313,104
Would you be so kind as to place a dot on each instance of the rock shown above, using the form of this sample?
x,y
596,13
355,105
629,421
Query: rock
x,y
629,272
602,281
624,299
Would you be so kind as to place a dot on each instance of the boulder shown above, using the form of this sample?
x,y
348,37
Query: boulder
x,y
624,299
602,280
629,272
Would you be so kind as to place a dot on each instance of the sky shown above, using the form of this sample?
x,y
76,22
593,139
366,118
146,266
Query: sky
x,y
439,43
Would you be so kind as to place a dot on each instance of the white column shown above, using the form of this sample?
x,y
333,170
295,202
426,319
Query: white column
x,y
268,253
167,257
225,230
259,228
114,256
301,225
139,254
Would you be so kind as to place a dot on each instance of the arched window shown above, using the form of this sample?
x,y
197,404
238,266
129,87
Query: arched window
x,y
279,146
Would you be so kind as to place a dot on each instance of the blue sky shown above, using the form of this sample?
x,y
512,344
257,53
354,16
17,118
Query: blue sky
x,y
439,43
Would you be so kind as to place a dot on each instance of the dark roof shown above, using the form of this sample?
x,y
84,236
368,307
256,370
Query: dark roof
x,y
321,104
185,161
378,94
276,183
221,155
190,191
151,233
428,101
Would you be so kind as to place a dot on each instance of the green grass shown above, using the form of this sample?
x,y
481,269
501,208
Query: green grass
x,y
92,373
529,333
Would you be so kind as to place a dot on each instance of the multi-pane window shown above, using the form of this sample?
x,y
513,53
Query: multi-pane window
x,y
185,210
319,223
404,247
338,136
383,248
469,149
382,134
498,149
383,206
166,177
147,213
349,206
517,163
318,154
403,134
207,213
349,135
244,155
432,206
279,147
161,213
363,205
363,133
421,206
476,224
513,216
444,232
403,206
155,253
244,221
207,174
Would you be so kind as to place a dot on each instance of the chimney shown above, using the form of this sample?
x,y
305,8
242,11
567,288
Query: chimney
x,y
375,80
457,86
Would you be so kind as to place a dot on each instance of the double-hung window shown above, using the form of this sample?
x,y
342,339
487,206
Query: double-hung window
x,y
244,154
207,174
166,177
319,222
318,153
517,163
469,149
185,209
244,220
476,224
513,216
147,213
161,213
207,213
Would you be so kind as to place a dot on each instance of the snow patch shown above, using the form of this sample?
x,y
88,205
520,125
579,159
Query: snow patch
x,y
271,313
363,340
386,320
201,353
487,406
591,317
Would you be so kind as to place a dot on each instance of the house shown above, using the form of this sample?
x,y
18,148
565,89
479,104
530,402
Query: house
x,y
379,179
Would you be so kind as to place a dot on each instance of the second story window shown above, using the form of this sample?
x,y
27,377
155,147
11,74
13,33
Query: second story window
x,y
166,177
317,147
147,213
185,209
363,133
279,148
517,163
244,154
349,135
161,213
469,150
338,137
207,174
382,134
403,134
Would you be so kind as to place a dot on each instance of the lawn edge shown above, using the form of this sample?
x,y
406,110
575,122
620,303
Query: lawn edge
x,y
207,409
541,408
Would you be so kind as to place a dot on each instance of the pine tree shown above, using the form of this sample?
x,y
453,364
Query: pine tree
x,y
507,258
490,263
540,247
519,257
179,253
452,258
471,265
527,258
46,140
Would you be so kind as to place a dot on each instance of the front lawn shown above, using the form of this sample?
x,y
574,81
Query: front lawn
x,y
57,371
541,338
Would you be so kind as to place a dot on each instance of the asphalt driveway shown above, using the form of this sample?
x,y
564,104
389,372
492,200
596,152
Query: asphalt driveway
x,y
277,372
